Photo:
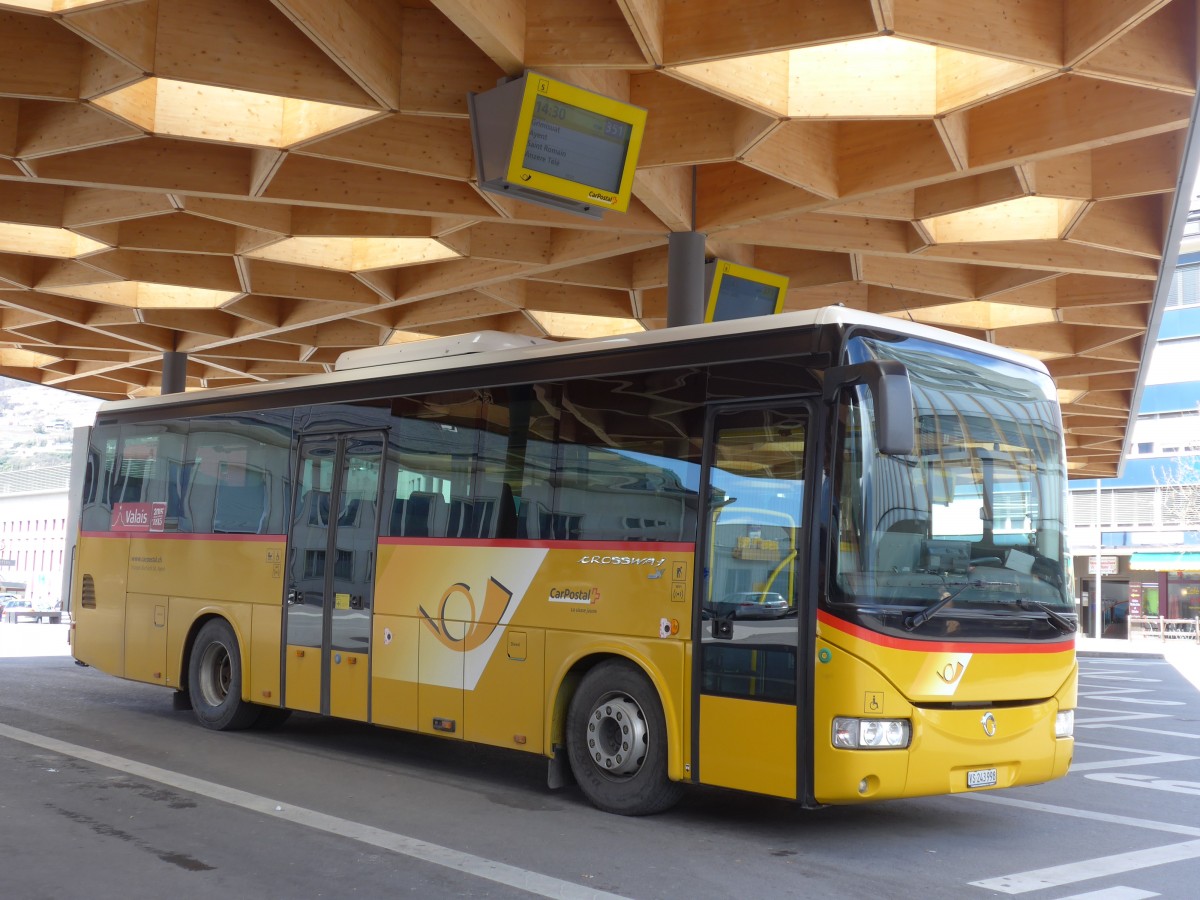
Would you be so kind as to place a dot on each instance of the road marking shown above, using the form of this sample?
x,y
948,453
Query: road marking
x,y
1101,866
1119,676
1144,758
466,863
1114,715
1132,779
1114,893
1121,695
1108,818
1158,731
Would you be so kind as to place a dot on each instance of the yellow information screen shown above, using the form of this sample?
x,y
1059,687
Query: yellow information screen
x,y
576,144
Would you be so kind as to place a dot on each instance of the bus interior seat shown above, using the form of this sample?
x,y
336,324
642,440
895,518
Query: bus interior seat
x,y
420,514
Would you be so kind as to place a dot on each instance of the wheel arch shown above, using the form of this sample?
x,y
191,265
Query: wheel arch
x,y
189,643
570,673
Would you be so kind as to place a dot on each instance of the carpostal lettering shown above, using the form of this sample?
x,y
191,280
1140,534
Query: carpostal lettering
x,y
589,596
622,561
603,198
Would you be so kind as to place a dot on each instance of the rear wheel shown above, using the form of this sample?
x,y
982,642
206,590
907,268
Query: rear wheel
x,y
616,741
215,679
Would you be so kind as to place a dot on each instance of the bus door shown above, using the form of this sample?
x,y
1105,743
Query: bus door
x,y
752,549
330,573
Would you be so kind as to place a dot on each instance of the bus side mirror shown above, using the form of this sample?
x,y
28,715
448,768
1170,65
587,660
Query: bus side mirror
x,y
890,388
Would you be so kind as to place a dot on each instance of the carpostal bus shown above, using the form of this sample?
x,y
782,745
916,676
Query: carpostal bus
x,y
818,556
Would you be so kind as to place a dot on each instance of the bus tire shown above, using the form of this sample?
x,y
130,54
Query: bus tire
x,y
617,742
215,679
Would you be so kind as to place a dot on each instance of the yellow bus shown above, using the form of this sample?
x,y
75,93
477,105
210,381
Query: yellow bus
x,y
818,556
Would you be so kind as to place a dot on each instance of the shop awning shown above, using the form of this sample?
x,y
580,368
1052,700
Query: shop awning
x,y
1165,562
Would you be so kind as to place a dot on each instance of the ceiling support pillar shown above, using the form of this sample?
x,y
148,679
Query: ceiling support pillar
x,y
685,278
174,372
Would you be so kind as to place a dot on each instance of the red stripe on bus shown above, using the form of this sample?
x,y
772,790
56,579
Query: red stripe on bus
x,y
892,643
184,536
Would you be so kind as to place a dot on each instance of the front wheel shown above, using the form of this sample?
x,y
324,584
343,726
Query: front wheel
x,y
215,679
617,742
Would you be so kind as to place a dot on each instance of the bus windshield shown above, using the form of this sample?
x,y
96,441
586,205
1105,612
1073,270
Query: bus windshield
x,y
976,511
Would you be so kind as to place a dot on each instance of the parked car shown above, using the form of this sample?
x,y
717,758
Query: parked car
x,y
751,605
15,610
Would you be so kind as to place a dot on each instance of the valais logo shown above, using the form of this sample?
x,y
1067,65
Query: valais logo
x,y
139,516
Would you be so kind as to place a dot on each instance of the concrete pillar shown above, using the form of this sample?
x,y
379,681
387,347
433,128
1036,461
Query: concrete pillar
x,y
685,278
174,372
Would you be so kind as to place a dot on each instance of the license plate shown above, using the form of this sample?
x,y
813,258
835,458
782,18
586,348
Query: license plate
x,y
981,778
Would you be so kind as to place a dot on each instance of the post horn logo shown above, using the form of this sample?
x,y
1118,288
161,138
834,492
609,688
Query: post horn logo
x,y
951,672
989,724
473,630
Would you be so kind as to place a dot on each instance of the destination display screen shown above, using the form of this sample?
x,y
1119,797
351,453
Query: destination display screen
x,y
577,145
740,298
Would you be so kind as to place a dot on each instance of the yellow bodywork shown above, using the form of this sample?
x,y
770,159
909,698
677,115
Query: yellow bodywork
x,y
945,691
485,641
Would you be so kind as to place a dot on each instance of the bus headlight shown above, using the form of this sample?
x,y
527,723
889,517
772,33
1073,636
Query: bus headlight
x,y
871,734
1064,724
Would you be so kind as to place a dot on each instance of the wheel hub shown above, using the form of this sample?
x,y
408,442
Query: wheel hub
x,y
616,736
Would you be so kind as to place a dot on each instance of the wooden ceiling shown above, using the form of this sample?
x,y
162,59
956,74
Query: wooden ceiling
x,y
1004,169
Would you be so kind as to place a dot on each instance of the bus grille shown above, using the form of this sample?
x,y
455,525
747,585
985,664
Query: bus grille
x,y
87,597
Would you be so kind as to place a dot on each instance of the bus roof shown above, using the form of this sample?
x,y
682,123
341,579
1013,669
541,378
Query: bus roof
x,y
426,362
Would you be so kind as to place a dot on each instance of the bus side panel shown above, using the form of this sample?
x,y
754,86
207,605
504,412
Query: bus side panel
x,y
146,638
266,625
101,571
505,709
394,671
750,746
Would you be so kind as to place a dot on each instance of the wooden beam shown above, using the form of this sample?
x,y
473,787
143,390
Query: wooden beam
x,y
1089,290
1133,225
878,156
302,282
425,145
497,27
819,232
324,182
801,153
1030,32
361,36
958,194
50,128
1068,114
1145,166
160,164
731,194
126,30
1090,25
581,33
1051,256
440,65
945,279
250,47
647,21
668,191
38,58
702,31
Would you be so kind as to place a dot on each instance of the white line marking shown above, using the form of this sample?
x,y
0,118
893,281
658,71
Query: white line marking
x,y
1132,779
1109,818
1114,893
1120,676
1101,866
1114,715
1144,758
1158,731
466,863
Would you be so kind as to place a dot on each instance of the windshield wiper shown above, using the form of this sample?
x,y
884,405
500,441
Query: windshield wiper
x,y
914,622
1059,621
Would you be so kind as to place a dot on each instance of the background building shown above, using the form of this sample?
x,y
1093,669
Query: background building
x,y
1148,520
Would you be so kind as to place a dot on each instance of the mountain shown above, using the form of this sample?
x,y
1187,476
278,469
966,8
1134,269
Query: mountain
x,y
36,423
